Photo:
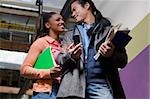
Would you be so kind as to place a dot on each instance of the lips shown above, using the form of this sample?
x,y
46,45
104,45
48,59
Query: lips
x,y
61,26
76,17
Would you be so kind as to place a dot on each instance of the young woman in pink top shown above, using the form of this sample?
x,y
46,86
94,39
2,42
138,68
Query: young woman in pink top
x,y
46,81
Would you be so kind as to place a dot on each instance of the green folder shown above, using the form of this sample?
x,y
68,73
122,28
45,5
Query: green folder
x,y
45,60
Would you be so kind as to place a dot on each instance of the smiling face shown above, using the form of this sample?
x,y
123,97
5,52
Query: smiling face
x,y
79,12
55,23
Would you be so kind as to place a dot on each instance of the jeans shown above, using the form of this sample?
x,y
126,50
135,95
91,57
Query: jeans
x,y
47,95
98,91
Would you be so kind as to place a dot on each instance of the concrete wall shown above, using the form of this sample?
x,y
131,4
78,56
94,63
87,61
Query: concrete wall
x,y
127,12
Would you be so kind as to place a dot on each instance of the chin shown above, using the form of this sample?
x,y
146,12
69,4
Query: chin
x,y
78,20
61,30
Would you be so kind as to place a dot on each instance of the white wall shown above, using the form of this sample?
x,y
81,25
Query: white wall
x,y
127,12
13,57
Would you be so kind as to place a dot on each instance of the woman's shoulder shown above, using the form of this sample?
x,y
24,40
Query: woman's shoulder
x,y
40,40
39,43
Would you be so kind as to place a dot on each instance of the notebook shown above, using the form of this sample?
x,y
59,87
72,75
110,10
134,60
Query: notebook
x,y
45,60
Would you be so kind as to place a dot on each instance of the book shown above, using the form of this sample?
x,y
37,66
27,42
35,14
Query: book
x,y
119,38
45,60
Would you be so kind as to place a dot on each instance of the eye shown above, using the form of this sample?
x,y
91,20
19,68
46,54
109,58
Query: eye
x,y
58,19
74,10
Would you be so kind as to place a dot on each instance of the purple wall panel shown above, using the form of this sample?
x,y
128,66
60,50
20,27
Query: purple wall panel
x,y
135,76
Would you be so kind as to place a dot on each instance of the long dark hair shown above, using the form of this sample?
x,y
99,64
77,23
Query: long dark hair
x,y
99,18
43,31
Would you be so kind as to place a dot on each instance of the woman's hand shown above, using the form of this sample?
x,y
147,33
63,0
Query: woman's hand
x,y
55,71
106,49
75,50
50,73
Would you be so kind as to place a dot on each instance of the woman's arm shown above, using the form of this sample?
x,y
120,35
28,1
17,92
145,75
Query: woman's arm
x,y
27,69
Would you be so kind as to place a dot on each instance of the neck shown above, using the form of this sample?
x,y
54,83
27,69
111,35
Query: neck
x,y
54,35
89,19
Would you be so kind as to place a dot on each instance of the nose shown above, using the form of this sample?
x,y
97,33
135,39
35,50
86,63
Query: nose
x,y
72,14
62,22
